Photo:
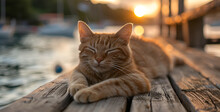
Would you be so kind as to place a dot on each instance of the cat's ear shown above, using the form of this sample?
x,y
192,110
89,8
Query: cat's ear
x,y
84,31
125,32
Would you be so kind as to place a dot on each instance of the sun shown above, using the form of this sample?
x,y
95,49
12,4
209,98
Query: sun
x,y
146,10
139,11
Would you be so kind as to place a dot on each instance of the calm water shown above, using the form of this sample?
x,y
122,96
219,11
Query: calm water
x,y
32,64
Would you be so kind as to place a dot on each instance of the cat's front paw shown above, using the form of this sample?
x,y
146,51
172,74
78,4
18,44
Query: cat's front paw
x,y
73,88
86,96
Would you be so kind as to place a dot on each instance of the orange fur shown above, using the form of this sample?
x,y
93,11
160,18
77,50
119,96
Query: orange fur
x,y
115,65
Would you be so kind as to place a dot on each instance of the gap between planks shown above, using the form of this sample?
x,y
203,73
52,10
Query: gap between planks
x,y
161,98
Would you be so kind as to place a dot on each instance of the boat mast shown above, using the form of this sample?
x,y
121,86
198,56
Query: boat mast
x,y
60,10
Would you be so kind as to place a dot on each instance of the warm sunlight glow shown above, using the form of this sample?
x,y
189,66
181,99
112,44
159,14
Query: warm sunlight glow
x,y
190,4
139,30
104,1
146,10
140,11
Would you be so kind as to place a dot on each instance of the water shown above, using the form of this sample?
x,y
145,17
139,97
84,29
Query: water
x,y
213,49
26,66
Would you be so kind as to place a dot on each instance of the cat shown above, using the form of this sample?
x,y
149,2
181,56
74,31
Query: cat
x,y
116,64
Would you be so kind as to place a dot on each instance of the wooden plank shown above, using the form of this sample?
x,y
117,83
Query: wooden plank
x,y
195,92
162,98
115,104
51,97
208,65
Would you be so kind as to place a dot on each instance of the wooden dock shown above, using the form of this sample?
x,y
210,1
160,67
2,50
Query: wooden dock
x,y
193,87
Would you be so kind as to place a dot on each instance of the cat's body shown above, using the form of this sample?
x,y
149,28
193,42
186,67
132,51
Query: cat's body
x,y
150,58
115,65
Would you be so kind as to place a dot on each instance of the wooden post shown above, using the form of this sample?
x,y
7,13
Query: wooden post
x,y
181,7
169,26
161,19
195,29
185,32
179,29
179,32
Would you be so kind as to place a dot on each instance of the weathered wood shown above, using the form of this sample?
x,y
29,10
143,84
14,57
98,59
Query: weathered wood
x,y
196,92
51,97
162,98
115,104
206,64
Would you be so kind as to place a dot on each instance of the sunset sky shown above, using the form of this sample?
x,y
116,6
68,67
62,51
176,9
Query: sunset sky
x,y
131,3
148,7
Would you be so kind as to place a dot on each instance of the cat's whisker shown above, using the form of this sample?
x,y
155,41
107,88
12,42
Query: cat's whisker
x,y
86,61
123,68
119,69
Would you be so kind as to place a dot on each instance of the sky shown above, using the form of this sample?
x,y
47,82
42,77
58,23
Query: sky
x,y
149,7
132,3
124,3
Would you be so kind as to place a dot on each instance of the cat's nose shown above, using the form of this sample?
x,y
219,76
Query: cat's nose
x,y
99,59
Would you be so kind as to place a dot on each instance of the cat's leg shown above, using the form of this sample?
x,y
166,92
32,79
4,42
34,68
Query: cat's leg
x,y
77,82
128,85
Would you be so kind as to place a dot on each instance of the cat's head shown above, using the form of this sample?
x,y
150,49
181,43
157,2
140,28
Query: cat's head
x,y
103,52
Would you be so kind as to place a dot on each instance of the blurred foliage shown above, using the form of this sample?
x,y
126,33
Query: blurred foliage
x,y
45,6
19,9
27,11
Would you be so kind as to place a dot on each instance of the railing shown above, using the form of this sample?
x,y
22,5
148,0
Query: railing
x,y
187,25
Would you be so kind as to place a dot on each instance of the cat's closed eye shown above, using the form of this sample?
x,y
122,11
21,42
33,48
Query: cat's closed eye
x,y
112,51
87,51
116,54
91,50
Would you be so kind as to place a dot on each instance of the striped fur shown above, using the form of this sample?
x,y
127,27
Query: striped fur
x,y
124,70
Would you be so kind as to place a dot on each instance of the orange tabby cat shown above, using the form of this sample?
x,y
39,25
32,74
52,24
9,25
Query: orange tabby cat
x,y
115,65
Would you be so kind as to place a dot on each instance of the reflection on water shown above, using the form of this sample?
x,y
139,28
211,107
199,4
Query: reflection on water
x,y
30,64
213,49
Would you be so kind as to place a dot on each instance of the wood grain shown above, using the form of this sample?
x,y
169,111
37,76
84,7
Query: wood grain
x,y
196,92
162,98
51,97
206,64
115,104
